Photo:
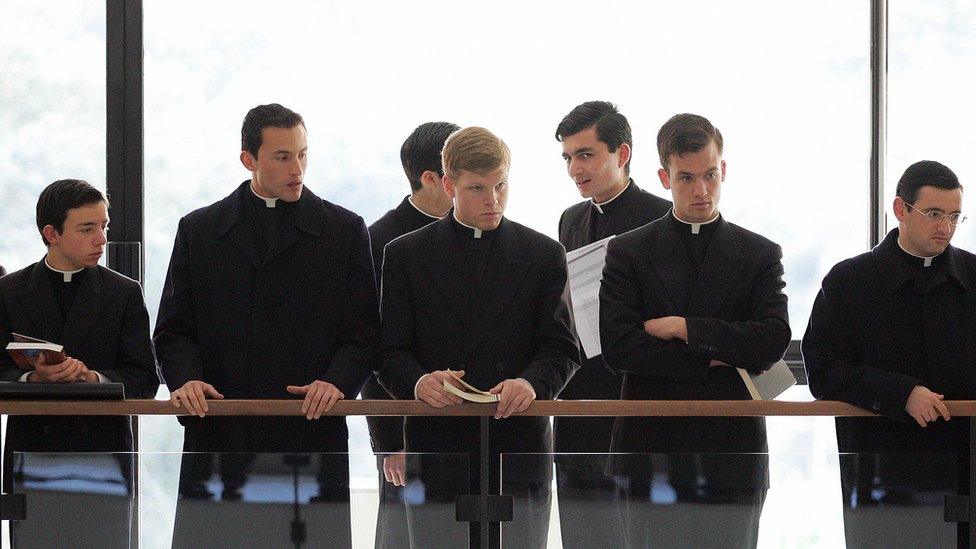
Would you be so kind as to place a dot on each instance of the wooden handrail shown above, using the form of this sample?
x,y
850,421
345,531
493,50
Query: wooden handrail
x,y
672,408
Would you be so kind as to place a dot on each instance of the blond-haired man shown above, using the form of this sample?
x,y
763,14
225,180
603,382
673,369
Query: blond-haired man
x,y
479,297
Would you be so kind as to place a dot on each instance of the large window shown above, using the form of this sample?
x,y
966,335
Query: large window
x,y
52,111
787,83
931,113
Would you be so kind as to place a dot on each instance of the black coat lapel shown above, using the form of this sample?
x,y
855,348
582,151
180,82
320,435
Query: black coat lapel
x,y
38,300
670,262
305,218
720,267
231,226
504,275
85,309
447,272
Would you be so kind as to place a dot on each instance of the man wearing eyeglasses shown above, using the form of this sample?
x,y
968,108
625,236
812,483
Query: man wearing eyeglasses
x,y
892,332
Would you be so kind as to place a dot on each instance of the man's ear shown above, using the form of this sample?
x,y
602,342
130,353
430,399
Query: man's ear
x,y
623,155
429,179
723,170
449,186
665,178
901,210
248,160
51,235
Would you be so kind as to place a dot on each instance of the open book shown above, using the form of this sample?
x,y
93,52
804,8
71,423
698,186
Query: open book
x,y
769,384
471,394
25,351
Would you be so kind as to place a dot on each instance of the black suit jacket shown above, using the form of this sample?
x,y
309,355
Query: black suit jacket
x,y
107,328
736,312
516,324
386,433
872,337
251,326
633,208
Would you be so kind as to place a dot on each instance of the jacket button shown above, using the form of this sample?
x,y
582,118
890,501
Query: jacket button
x,y
48,430
499,367
876,406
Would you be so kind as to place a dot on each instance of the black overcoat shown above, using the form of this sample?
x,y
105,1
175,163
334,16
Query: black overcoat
x,y
251,326
516,324
736,312
633,208
869,343
107,328
386,432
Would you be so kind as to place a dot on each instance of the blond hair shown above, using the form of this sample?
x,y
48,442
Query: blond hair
x,y
475,150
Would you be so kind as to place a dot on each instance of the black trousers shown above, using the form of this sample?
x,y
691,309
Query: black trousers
x,y
441,479
694,517
589,511
896,500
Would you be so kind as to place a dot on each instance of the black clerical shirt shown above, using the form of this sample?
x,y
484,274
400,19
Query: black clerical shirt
x,y
476,245
64,290
695,244
265,221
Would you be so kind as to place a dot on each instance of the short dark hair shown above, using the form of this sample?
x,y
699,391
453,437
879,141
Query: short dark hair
x,y
263,116
920,174
421,151
686,133
61,196
612,127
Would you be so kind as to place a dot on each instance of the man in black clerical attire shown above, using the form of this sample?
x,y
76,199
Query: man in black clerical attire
x,y
892,332
597,148
427,202
479,297
99,317
684,300
269,295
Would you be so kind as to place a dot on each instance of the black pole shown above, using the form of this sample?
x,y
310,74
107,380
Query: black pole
x,y
124,135
879,119
485,464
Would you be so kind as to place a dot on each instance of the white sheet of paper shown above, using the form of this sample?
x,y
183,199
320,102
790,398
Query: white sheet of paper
x,y
585,267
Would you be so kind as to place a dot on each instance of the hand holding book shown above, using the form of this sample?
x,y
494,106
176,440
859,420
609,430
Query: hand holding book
x,y
431,388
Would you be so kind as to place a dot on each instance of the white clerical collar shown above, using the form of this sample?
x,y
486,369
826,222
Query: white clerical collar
x,y
599,206
67,274
926,261
269,202
695,227
410,200
477,231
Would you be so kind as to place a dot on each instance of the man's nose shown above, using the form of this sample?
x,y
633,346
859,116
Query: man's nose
x,y
575,167
700,188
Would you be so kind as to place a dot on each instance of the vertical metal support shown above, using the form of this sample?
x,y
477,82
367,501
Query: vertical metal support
x,y
967,533
485,472
124,135
879,119
124,158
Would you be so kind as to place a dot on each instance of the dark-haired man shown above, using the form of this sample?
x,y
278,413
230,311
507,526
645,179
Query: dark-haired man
x,y
420,156
597,148
683,300
98,315
891,331
269,295
477,296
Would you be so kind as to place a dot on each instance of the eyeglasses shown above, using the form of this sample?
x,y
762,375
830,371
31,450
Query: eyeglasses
x,y
936,216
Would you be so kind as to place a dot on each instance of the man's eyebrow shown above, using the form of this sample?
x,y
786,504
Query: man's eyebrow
x,y
583,150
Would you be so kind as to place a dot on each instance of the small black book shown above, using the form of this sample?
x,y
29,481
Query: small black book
x,y
20,390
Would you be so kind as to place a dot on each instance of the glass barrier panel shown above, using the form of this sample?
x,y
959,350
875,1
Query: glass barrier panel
x,y
733,500
238,500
